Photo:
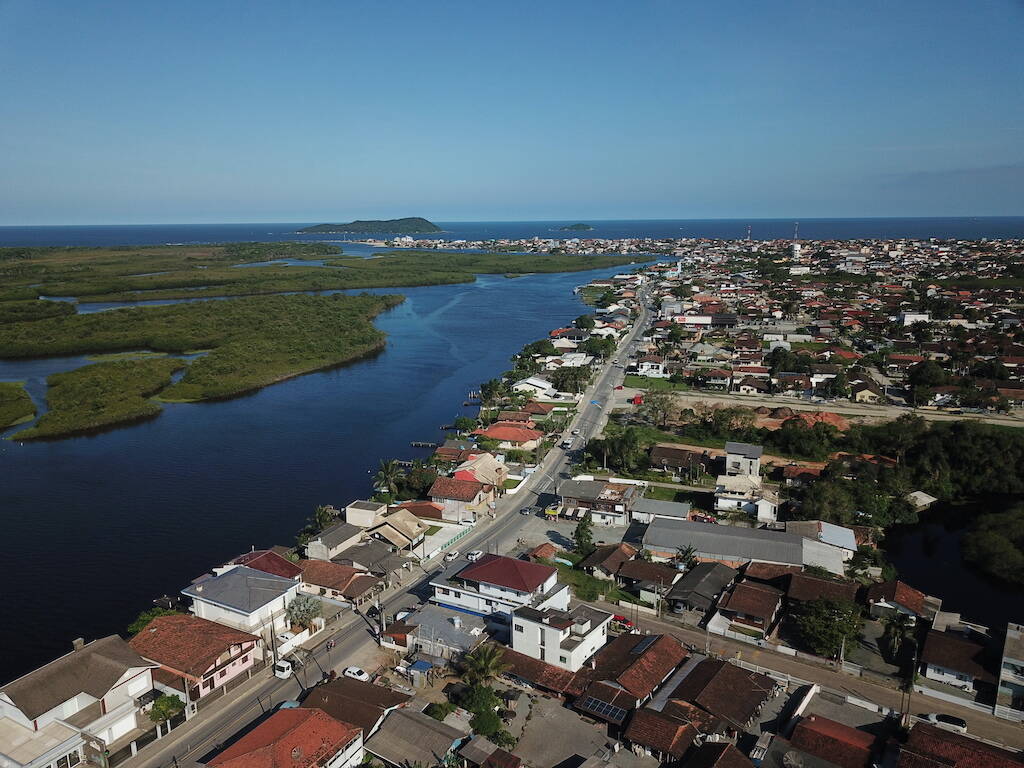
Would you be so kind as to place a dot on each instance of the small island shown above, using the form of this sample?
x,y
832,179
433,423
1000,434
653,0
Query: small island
x,y
412,225
576,228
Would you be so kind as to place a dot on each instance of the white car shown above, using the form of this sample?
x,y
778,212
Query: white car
x,y
948,722
356,674
575,431
475,555
282,669
453,555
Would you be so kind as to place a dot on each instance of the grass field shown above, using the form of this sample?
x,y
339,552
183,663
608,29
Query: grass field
x,y
658,385
16,406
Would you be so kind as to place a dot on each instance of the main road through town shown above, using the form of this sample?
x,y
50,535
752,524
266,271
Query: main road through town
x,y
207,731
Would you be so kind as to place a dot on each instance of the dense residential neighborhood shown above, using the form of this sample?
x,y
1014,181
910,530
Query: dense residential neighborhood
x,y
680,502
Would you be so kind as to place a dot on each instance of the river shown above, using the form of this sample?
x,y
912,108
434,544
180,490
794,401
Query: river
x,y
98,526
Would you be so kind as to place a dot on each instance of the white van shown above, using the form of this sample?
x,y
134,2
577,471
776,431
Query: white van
x,y
282,669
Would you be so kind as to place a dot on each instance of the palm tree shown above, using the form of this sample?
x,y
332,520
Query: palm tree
x,y
484,664
323,516
897,628
388,476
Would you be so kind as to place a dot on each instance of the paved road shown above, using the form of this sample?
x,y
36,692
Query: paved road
x,y
880,412
984,726
352,635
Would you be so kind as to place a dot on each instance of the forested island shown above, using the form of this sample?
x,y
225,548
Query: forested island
x,y
247,343
411,225
576,228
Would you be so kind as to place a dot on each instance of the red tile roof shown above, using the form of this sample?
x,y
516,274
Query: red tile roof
x,y
641,570
899,593
840,744
804,588
509,433
508,572
652,729
268,562
350,581
450,488
953,750
718,755
290,738
752,599
425,509
187,643
726,690
953,651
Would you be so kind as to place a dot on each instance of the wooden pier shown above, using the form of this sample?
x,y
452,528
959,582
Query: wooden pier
x,y
421,444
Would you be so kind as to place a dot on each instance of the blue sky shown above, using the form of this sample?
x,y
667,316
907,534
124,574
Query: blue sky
x,y
198,111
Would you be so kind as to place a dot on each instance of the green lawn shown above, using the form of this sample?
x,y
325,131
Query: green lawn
x,y
658,385
698,499
432,530
511,484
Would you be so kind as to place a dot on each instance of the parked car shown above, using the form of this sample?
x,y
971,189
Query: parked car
x,y
475,555
575,431
529,510
282,669
289,705
949,722
622,621
453,555
356,674
619,387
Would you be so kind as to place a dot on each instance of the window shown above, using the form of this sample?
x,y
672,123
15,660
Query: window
x,y
244,659
442,591
221,673
208,683
69,760
563,659
519,627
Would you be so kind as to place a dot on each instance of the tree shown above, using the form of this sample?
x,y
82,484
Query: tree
x,y
303,610
686,556
323,516
897,628
570,379
165,707
465,424
491,390
485,724
927,373
147,616
826,625
598,346
388,476
658,406
585,322
583,536
484,664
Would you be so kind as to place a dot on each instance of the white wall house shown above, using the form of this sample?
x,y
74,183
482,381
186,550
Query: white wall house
x,y
73,708
495,586
565,639
252,601
742,459
743,493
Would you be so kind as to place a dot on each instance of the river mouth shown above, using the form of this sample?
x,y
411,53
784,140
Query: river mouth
x,y
928,557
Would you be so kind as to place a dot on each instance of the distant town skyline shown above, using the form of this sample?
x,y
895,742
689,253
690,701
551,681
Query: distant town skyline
x,y
135,113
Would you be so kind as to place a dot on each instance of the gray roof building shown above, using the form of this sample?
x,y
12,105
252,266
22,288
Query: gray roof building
x,y
241,589
339,533
373,555
91,669
731,544
653,508
746,450
407,737
702,585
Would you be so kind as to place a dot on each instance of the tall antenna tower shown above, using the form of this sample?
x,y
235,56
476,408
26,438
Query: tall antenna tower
x,y
796,230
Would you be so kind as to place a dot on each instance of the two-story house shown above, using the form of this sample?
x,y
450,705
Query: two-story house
x,y
564,639
608,503
198,658
494,586
334,540
75,709
252,601
742,458
461,500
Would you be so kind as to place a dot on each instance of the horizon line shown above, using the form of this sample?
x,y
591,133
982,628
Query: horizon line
x,y
528,221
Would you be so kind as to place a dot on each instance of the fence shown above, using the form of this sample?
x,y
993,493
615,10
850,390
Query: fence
x,y
952,698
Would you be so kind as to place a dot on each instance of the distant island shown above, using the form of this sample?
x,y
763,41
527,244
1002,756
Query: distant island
x,y
576,228
412,225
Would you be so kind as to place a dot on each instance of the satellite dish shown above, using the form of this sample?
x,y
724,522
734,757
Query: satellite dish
x,y
296,753
793,760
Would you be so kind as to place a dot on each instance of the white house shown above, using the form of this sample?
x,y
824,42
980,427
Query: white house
x,y
252,601
535,386
564,639
744,493
495,586
69,711
742,458
652,366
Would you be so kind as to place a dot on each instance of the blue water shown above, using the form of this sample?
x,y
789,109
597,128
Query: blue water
x,y
98,526
760,229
